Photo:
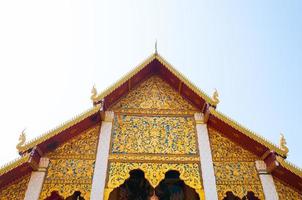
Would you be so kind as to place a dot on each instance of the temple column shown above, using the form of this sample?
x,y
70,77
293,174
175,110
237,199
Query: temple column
x,y
101,162
206,162
267,181
36,180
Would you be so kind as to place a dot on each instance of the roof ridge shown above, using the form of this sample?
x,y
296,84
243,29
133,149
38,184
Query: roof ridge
x,y
181,76
248,132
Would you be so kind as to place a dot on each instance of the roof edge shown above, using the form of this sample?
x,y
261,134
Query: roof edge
x,y
290,166
154,56
124,78
13,164
185,80
247,132
59,129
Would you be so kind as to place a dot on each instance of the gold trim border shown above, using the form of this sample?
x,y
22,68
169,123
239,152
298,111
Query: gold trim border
x,y
155,158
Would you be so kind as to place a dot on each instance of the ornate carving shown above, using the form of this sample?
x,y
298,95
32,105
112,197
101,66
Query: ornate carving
x,y
225,150
94,94
283,143
234,167
71,166
154,172
15,190
81,147
285,192
240,190
22,140
108,116
215,97
164,135
240,173
154,96
154,157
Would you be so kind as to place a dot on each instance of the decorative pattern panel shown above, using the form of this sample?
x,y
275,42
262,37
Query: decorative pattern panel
x,y
154,172
154,96
285,192
234,167
71,166
158,134
15,190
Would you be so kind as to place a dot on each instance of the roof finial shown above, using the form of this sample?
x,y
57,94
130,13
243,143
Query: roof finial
x,y
22,140
93,94
155,46
215,97
283,143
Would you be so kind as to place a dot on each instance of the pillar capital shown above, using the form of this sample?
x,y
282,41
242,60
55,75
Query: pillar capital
x,y
108,116
199,118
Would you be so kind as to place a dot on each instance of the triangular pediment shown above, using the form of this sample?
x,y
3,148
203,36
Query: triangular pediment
x,y
153,95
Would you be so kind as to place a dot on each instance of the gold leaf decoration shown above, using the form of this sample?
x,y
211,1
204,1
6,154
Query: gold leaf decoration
x,y
154,96
158,134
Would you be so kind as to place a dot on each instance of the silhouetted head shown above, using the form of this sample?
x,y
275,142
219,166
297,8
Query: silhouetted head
x,y
77,193
172,174
229,194
137,174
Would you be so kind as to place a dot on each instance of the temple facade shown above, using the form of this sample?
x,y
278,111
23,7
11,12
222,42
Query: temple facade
x,y
152,135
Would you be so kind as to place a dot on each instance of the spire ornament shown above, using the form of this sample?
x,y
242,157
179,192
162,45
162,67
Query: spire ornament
x,y
283,143
215,97
22,140
93,95
155,46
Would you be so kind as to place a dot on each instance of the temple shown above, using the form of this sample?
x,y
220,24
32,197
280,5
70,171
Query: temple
x,y
152,135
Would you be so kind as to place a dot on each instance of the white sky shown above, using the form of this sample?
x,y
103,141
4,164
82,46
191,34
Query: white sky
x,y
52,52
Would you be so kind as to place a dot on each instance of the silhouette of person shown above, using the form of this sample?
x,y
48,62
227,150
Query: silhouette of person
x,y
136,187
173,188
54,196
75,196
250,196
230,196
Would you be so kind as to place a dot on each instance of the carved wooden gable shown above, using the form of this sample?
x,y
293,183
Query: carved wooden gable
x,y
71,166
234,167
154,96
15,190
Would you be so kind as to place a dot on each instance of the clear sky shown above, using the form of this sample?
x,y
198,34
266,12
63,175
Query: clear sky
x,y
52,52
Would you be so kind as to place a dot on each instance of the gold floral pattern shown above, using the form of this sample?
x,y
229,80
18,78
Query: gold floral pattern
x,y
158,134
154,96
154,157
154,172
71,166
234,167
285,192
15,190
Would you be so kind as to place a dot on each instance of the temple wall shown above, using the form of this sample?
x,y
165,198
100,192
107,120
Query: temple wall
x,y
285,192
234,167
154,130
71,166
15,190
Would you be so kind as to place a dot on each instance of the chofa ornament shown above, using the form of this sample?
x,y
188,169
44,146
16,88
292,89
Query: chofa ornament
x,y
215,97
22,140
283,143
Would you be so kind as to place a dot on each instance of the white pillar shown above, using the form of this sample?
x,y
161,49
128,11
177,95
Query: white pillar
x,y
35,184
206,162
100,168
267,181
